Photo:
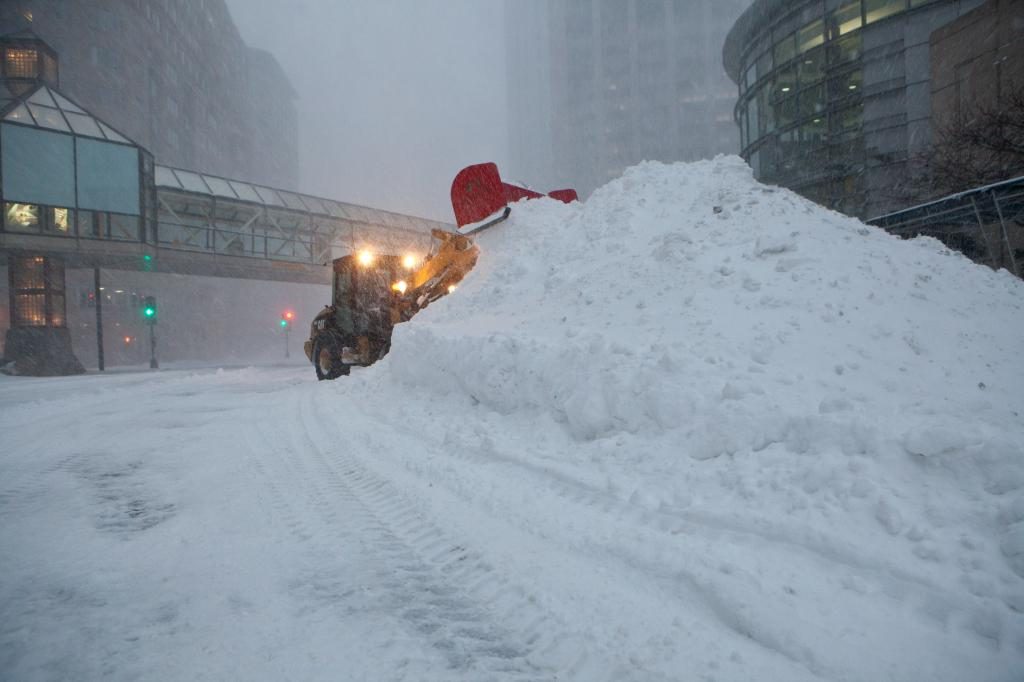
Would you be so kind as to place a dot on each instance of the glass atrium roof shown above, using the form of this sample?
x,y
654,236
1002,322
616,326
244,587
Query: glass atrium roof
x,y
47,108
214,186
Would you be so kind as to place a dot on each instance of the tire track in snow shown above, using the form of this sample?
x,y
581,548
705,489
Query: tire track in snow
x,y
424,574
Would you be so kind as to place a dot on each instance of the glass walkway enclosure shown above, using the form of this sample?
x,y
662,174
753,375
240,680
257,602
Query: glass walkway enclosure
x,y
73,186
205,213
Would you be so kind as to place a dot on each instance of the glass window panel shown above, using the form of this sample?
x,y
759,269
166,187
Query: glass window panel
x,y
810,36
876,10
764,65
21,115
192,182
292,200
846,84
20,63
84,125
29,273
785,111
108,176
766,113
785,49
59,220
845,50
48,117
812,67
754,120
30,310
219,186
66,104
315,204
814,130
813,101
111,133
245,191
269,196
37,165
848,119
750,76
166,178
785,83
86,223
844,19
123,227
337,210
21,217
42,96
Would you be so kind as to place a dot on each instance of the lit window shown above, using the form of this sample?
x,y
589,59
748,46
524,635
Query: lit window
x,y
20,63
21,217
875,10
845,19
810,36
60,219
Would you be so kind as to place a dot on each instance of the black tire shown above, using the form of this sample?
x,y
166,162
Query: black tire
x,y
327,359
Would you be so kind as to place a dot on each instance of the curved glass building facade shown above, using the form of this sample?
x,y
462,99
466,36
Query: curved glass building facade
x,y
834,95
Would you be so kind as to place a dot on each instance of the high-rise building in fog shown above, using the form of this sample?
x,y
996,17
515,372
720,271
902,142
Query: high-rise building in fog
x,y
598,85
174,76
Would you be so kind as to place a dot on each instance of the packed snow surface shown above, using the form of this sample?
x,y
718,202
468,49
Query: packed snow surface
x,y
695,428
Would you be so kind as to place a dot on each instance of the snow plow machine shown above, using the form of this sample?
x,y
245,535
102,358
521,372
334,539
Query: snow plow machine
x,y
373,292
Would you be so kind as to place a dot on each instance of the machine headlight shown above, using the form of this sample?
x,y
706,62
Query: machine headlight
x,y
400,286
365,257
410,261
451,288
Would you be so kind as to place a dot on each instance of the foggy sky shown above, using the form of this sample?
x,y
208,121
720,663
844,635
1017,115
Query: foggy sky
x,y
395,96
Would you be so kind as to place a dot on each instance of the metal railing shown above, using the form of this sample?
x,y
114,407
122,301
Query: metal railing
x,y
985,223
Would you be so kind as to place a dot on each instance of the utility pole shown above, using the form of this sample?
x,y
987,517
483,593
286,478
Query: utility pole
x,y
99,316
286,323
149,315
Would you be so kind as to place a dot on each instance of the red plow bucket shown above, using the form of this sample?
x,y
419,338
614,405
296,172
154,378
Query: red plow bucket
x,y
480,199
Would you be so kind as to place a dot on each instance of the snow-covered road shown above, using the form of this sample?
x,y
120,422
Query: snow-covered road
x,y
214,525
254,524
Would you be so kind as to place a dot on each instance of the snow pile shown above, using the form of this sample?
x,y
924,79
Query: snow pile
x,y
838,411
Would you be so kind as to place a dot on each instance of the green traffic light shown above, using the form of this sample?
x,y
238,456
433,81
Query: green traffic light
x,y
284,323
149,312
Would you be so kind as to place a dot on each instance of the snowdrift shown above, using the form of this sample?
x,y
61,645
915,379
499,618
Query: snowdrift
x,y
764,367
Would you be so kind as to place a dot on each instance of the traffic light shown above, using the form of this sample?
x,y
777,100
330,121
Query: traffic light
x,y
149,309
286,319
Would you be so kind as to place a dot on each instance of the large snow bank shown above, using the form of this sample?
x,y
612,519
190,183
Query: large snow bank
x,y
734,354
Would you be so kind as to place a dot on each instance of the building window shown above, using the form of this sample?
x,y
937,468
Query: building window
x,y
812,67
21,217
846,50
57,220
876,10
845,19
21,63
810,36
37,292
785,49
